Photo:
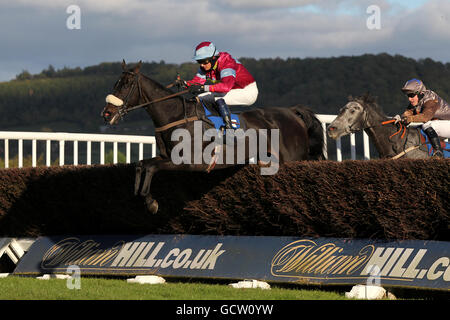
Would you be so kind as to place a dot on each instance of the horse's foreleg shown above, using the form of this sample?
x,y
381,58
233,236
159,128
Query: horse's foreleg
x,y
149,172
147,168
140,168
137,180
151,166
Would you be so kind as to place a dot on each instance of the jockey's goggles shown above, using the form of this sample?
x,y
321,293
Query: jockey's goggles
x,y
411,95
204,61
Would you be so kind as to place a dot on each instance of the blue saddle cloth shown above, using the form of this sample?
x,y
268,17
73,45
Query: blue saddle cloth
x,y
446,149
218,121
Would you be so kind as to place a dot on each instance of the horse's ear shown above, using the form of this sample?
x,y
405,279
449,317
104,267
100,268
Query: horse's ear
x,y
136,69
368,98
124,65
350,98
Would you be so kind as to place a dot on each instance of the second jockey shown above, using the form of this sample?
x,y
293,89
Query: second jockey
x,y
428,107
222,79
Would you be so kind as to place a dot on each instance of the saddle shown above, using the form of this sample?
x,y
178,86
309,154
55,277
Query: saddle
x,y
425,141
213,116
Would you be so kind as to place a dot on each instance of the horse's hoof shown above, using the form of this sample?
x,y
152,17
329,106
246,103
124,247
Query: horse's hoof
x,y
152,205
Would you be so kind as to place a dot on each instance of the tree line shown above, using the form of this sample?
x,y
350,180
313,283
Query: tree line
x,y
71,99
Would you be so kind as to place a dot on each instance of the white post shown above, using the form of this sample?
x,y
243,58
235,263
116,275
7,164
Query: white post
x,y
141,151
6,153
102,152
325,142
115,152
20,155
61,152
366,146
75,153
153,150
48,153
33,153
338,149
353,146
88,153
128,146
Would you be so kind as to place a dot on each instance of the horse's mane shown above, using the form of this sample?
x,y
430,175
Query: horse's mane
x,y
162,87
156,83
368,101
153,81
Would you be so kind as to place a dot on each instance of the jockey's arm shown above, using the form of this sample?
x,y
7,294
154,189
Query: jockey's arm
x,y
407,113
200,78
429,109
226,83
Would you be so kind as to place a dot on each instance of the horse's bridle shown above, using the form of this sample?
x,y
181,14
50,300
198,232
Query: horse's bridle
x,y
366,117
123,109
365,122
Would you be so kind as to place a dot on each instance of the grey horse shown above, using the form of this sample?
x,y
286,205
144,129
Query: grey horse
x,y
392,140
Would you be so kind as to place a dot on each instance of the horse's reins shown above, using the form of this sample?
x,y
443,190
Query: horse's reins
x,y
125,109
156,100
402,128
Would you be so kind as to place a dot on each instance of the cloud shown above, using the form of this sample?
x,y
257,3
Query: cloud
x,y
34,33
265,4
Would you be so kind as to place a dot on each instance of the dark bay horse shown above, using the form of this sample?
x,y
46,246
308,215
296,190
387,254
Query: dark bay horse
x,y
300,133
390,139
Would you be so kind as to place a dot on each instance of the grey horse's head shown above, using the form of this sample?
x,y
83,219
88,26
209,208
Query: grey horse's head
x,y
351,118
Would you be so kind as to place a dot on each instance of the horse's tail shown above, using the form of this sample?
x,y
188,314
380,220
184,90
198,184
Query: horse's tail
x,y
315,131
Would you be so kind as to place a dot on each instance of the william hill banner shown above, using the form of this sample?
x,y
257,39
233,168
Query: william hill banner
x,y
419,264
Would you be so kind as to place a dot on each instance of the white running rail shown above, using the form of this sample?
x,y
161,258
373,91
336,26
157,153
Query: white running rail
x,y
62,138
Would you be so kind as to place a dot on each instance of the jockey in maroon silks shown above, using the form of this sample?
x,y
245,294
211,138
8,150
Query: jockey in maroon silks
x,y
230,83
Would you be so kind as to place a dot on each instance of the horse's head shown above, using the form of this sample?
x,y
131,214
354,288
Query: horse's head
x,y
125,94
351,118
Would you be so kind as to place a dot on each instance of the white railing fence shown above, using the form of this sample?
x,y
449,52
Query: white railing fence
x,y
68,146
74,139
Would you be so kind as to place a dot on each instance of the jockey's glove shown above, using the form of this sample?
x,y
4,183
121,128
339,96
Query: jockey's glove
x,y
402,119
181,83
196,89
405,120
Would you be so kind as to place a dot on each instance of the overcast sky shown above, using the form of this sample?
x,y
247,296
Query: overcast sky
x,y
34,33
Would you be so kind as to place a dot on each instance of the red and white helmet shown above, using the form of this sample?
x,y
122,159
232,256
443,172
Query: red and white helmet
x,y
205,50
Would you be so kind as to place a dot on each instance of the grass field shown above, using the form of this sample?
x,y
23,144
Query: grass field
x,y
24,288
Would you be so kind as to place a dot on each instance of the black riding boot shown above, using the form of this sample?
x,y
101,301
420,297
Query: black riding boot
x,y
224,112
435,142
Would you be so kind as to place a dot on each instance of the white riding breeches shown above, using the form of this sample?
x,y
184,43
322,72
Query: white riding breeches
x,y
245,96
442,127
